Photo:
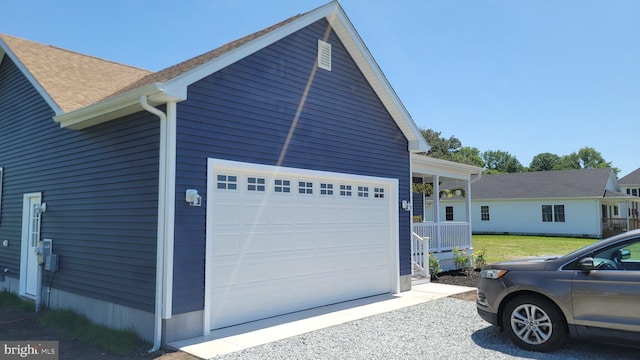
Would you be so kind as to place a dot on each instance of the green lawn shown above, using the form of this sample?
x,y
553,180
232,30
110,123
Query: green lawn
x,y
506,247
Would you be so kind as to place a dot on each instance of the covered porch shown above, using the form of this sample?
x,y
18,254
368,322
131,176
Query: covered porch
x,y
439,229
619,213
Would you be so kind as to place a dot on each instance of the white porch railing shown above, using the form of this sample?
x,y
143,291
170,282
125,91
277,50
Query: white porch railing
x,y
420,255
452,234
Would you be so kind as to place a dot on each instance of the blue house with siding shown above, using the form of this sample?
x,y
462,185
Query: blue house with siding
x,y
261,178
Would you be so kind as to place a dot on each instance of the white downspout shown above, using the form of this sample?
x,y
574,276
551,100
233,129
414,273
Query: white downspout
x,y
166,201
436,213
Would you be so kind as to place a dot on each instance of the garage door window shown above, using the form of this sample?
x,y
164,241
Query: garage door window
x,y
345,190
363,191
256,184
326,189
282,186
227,182
378,193
305,187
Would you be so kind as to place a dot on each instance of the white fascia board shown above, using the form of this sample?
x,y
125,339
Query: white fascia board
x,y
118,106
422,164
5,50
367,64
239,53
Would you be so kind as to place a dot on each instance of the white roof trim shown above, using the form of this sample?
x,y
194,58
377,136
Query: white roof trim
x,y
340,24
115,107
367,64
425,165
5,50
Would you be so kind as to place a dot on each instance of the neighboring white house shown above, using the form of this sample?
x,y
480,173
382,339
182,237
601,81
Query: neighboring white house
x,y
582,202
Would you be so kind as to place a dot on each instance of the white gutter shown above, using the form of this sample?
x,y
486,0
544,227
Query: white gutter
x,y
166,203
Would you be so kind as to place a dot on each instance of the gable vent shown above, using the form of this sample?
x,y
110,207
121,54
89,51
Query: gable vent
x,y
324,55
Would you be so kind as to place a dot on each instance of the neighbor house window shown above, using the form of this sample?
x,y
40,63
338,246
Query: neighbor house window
x,y
558,213
553,213
547,213
484,213
448,213
634,192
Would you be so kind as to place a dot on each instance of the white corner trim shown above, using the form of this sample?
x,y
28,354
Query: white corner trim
x,y
5,50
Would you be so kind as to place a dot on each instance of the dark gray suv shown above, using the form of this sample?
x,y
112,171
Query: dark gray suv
x,y
593,292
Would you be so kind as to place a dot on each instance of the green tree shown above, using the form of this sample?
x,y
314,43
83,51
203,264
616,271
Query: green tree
x,y
441,147
468,155
498,161
567,162
591,159
544,162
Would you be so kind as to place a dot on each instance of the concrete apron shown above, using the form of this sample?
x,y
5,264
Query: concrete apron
x,y
244,336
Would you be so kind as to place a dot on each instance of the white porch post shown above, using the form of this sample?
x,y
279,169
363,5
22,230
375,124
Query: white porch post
x,y
468,205
436,210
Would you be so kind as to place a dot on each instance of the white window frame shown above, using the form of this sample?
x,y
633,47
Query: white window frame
x,y
227,182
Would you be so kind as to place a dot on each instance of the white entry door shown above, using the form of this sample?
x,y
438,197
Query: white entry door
x,y
30,236
281,240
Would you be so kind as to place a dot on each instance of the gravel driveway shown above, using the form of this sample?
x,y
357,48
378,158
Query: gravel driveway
x,y
446,328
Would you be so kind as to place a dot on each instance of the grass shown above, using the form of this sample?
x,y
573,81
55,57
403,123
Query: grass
x,y
72,325
507,247
120,342
10,300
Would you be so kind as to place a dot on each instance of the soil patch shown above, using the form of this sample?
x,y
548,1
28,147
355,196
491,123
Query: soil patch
x,y
460,278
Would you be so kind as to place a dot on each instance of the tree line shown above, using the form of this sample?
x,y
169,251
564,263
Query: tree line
x,y
499,161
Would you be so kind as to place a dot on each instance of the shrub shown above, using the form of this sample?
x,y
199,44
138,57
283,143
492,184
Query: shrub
x,y
434,266
461,259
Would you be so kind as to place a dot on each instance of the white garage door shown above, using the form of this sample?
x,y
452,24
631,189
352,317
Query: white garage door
x,y
281,240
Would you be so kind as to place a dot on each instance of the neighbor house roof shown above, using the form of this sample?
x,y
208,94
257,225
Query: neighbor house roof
x,y
70,79
631,179
579,183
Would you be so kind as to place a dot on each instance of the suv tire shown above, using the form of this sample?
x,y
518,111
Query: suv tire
x,y
534,323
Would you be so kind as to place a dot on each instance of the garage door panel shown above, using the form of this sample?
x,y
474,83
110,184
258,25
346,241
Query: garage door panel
x,y
274,253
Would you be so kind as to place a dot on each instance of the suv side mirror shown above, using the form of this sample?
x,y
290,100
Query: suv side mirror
x,y
586,264
624,254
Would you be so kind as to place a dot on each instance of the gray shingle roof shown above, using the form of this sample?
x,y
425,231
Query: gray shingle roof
x,y
578,183
631,179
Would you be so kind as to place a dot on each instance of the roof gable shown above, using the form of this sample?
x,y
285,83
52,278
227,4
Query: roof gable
x,y
171,83
631,179
579,183
68,79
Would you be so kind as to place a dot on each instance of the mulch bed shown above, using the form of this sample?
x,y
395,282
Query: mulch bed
x,y
460,278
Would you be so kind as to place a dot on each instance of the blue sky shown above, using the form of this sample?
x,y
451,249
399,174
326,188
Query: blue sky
x,y
523,76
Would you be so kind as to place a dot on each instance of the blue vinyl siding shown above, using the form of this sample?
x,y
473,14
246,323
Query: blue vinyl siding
x,y
100,185
244,113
